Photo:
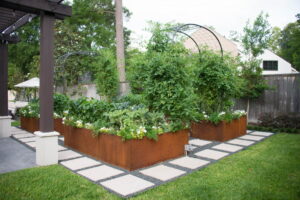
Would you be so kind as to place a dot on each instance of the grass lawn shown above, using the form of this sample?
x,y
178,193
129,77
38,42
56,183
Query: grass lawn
x,y
15,123
268,170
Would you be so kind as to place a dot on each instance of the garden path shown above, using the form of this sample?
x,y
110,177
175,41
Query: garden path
x,y
129,183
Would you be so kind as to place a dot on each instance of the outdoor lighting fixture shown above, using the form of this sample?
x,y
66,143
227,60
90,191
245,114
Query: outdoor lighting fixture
x,y
30,18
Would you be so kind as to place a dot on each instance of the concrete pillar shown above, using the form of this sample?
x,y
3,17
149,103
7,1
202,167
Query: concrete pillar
x,y
47,138
4,117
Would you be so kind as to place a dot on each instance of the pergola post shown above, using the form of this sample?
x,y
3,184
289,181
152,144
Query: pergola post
x,y
47,141
4,117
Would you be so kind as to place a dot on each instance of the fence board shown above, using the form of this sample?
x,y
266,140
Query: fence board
x,y
284,98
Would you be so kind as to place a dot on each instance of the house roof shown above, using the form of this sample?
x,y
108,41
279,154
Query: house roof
x,y
205,38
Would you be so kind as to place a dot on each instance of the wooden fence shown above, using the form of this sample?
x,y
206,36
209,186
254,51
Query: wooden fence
x,y
283,98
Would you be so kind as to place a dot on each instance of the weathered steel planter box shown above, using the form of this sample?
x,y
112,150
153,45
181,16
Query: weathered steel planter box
x,y
221,132
130,154
31,124
59,126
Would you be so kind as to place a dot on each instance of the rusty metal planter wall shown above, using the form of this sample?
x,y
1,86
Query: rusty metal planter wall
x,y
131,154
31,124
59,126
221,132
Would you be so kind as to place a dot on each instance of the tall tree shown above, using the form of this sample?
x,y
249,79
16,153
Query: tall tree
x,y
274,42
290,43
124,87
91,27
256,36
255,40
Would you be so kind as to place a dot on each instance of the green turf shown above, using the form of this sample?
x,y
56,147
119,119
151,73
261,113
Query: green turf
x,y
268,170
15,123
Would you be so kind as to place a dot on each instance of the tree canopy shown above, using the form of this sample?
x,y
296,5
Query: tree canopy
x,y
290,43
90,28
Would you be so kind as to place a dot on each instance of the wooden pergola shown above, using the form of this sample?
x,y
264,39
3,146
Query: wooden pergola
x,y
13,15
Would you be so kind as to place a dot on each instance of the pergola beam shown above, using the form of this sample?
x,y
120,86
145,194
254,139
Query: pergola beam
x,y
10,39
36,6
21,22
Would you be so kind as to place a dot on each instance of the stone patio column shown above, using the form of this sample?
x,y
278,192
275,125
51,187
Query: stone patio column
x,y
47,140
4,116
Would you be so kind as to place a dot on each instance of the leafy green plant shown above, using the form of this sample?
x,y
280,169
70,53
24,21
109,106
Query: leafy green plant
x,y
106,75
167,85
216,118
216,82
61,103
88,110
31,110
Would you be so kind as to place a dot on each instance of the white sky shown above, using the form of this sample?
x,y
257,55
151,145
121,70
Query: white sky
x,y
223,15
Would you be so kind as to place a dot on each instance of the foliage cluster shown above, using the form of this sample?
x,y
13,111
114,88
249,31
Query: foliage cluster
x,y
60,104
216,118
290,43
291,120
183,85
106,78
124,118
272,129
216,82
162,77
31,110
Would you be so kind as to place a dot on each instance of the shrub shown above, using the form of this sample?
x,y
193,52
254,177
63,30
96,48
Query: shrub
x,y
167,84
106,75
31,110
61,103
88,110
287,121
215,82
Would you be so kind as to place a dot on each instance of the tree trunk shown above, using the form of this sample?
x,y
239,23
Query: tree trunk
x,y
248,105
123,86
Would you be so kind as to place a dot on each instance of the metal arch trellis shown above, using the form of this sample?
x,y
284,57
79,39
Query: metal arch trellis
x,y
62,59
180,28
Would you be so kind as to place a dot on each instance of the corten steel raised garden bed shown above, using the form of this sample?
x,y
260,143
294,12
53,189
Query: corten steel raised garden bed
x,y
221,132
59,126
31,124
130,154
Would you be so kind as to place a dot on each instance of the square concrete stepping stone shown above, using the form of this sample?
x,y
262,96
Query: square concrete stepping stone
x,y
199,142
30,139
100,172
63,155
16,132
188,162
259,133
241,142
79,163
61,148
227,147
212,154
251,137
24,135
31,144
162,172
126,185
